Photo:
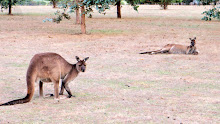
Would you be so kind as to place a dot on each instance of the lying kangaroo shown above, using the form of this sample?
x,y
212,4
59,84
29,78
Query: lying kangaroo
x,y
50,67
176,49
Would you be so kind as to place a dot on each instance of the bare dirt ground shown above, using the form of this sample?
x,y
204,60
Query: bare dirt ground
x,y
120,85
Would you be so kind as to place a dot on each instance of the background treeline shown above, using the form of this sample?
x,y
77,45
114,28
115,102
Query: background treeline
x,y
123,2
34,2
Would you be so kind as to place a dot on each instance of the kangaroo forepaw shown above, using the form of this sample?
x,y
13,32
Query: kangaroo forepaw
x,y
71,96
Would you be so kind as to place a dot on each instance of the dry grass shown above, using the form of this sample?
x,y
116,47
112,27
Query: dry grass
x,y
120,85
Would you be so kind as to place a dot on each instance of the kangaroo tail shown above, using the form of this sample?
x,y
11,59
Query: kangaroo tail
x,y
149,52
17,101
30,93
155,52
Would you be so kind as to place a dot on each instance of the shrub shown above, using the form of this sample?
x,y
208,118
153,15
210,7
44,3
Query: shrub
x,y
211,13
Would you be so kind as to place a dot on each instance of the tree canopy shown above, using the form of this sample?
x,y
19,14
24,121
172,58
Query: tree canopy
x,y
162,3
7,4
211,13
86,7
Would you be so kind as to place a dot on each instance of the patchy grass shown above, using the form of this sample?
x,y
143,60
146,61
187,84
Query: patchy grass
x,y
120,85
110,31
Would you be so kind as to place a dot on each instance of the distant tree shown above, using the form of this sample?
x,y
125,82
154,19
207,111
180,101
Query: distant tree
x,y
86,7
54,2
7,4
215,2
132,2
162,3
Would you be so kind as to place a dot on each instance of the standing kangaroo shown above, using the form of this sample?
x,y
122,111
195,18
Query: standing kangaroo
x,y
177,49
50,67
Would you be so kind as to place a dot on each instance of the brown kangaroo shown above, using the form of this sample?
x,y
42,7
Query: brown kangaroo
x,y
50,67
177,49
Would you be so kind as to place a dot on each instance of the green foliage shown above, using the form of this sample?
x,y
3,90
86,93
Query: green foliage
x,y
133,3
155,1
187,1
60,16
123,2
53,0
211,13
99,5
5,3
144,1
69,7
176,1
32,2
207,2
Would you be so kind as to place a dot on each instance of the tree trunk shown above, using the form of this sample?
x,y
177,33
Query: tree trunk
x,y
77,14
165,5
83,20
118,9
54,3
215,2
9,7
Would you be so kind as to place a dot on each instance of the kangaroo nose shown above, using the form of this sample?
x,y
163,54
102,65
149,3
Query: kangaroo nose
x,y
83,70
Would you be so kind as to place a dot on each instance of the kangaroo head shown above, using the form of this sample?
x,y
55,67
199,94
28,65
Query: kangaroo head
x,y
193,41
192,47
81,64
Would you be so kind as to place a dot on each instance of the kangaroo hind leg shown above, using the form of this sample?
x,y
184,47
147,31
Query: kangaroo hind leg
x,y
163,50
56,87
62,88
156,51
41,89
56,90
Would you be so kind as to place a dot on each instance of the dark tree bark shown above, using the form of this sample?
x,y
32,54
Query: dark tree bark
x,y
215,2
118,9
165,6
54,3
9,7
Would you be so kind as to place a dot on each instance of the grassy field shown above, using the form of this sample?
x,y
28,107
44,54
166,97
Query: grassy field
x,y
120,85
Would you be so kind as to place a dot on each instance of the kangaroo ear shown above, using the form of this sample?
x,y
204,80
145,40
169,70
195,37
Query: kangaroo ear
x,y
86,58
190,38
194,38
77,58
